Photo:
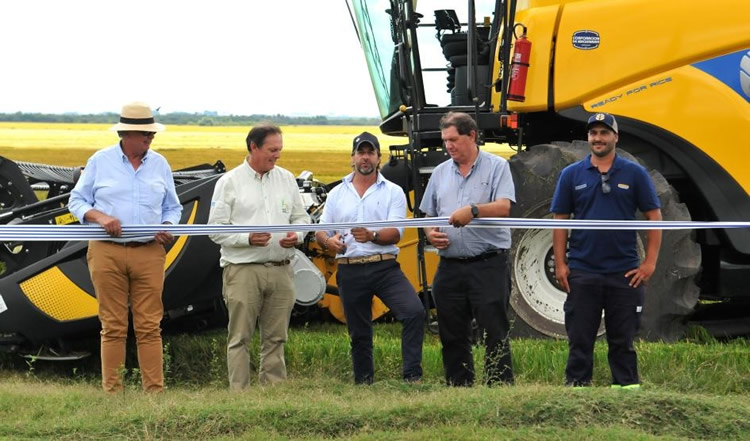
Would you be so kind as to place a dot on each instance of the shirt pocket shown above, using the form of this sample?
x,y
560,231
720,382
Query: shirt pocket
x,y
481,191
151,196
285,207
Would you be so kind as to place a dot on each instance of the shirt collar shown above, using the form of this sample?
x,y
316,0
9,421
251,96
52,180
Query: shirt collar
x,y
350,177
616,164
454,164
254,173
125,158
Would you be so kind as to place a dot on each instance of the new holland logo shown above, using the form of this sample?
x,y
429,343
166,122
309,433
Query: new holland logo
x,y
586,40
745,74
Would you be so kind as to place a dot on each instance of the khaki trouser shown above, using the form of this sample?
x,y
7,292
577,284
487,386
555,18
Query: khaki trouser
x,y
132,276
264,295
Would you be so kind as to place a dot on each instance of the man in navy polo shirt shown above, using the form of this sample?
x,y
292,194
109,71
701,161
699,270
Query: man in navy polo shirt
x,y
603,270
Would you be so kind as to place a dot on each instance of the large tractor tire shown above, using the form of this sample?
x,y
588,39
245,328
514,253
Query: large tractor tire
x,y
536,298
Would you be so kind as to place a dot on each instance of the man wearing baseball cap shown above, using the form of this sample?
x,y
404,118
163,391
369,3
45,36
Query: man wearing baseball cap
x,y
130,184
367,263
601,269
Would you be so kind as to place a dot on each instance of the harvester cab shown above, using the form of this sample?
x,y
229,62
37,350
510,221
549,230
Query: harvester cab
x,y
530,73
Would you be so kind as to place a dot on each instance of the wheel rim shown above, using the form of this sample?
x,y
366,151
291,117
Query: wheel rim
x,y
539,301
537,298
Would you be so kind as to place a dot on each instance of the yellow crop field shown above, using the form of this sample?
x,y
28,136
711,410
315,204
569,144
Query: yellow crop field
x,y
324,150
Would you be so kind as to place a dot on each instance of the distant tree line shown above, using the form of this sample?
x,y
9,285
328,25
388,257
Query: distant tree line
x,y
199,119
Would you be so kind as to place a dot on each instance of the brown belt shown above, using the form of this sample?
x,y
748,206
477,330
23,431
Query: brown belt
x,y
366,259
273,263
131,244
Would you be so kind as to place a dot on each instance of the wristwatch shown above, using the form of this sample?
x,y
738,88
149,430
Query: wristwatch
x,y
374,236
474,211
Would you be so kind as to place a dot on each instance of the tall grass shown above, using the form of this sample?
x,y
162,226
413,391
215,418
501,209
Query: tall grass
x,y
322,351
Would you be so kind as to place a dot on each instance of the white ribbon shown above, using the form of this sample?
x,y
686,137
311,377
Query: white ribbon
x,y
96,232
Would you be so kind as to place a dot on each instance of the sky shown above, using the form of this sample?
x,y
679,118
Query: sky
x,y
292,57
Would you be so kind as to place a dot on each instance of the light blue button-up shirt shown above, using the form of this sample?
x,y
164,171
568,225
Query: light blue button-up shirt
x,y
135,197
488,180
384,200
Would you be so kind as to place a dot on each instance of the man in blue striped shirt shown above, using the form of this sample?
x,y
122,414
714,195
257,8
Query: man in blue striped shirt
x,y
472,279
129,184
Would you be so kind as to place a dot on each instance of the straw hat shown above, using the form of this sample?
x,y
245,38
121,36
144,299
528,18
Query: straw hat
x,y
137,117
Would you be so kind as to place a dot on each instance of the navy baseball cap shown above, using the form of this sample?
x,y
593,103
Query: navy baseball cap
x,y
603,118
366,138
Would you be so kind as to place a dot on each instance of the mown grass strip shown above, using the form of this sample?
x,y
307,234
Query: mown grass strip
x,y
321,408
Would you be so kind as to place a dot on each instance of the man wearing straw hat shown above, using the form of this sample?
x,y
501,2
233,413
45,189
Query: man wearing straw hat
x,y
129,184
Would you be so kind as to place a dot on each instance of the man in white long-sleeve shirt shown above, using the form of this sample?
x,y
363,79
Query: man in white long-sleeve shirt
x,y
258,277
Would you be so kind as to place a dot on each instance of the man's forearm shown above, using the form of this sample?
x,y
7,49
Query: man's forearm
x,y
388,236
653,239
560,244
499,208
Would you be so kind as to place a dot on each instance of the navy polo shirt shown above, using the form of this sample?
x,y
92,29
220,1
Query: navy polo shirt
x,y
579,193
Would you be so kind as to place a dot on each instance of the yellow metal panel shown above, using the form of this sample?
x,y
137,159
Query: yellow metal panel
x,y
53,293
640,39
540,24
181,241
694,106
407,258
64,219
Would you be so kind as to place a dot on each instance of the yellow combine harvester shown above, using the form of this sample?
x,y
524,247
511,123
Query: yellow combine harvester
x,y
676,74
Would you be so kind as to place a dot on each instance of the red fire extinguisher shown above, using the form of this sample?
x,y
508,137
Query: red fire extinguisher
x,y
519,67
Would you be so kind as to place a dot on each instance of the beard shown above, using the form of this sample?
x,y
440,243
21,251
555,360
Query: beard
x,y
366,169
602,153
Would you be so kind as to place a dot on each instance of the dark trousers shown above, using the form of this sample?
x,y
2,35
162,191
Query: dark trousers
x,y
480,289
590,294
357,284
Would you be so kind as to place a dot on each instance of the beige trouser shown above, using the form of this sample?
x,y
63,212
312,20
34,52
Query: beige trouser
x,y
135,276
263,294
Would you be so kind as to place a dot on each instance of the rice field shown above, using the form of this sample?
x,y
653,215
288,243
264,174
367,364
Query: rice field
x,y
323,150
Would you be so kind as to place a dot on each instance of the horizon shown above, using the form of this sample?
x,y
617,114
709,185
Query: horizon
x,y
200,113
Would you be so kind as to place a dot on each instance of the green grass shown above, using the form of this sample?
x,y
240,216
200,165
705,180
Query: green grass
x,y
329,409
321,350
691,390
